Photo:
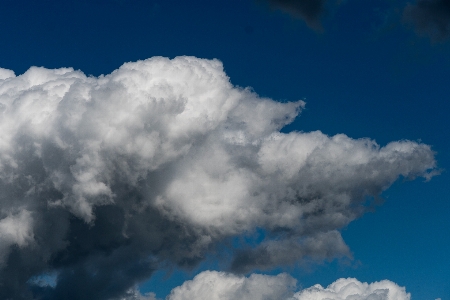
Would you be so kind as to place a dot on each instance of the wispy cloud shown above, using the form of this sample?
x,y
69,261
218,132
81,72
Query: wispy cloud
x,y
430,17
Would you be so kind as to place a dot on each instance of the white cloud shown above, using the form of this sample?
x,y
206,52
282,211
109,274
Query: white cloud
x,y
5,74
172,158
352,289
15,229
212,285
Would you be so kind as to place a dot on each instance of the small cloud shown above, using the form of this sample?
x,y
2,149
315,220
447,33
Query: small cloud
x,y
212,285
351,288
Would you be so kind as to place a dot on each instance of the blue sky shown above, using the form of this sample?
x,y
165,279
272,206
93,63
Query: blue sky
x,y
367,72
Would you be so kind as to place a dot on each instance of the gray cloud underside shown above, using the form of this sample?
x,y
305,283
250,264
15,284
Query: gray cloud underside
x,y
103,179
430,17
283,252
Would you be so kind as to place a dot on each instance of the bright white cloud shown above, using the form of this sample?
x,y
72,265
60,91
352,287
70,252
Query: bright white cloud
x,y
352,289
212,285
5,73
165,157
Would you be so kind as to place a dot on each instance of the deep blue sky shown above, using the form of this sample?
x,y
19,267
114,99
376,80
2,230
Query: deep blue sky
x,y
366,74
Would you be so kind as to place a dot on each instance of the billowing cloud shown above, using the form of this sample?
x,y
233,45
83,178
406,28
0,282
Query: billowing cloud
x,y
430,17
309,10
103,179
351,288
211,285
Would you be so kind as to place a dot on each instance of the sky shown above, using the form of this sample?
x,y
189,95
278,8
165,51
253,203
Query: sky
x,y
251,149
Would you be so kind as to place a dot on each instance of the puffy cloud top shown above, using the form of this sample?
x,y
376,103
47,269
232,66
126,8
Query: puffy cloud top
x,y
160,160
352,289
219,285
214,285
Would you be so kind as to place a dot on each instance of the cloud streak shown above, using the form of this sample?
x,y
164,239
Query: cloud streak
x,y
104,179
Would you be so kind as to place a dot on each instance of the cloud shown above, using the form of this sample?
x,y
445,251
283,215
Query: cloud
x,y
272,253
5,73
15,230
430,17
309,10
351,288
103,179
135,294
213,285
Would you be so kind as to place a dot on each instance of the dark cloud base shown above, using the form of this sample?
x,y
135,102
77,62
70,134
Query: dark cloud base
x,y
95,261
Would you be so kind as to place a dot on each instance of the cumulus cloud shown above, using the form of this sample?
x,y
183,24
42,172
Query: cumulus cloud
x,y
212,285
104,178
430,17
351,288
